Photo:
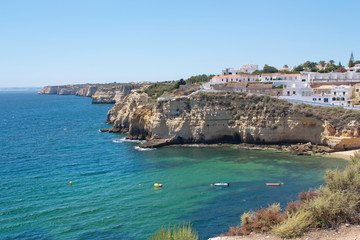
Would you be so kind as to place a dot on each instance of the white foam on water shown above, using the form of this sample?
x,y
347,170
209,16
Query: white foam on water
x,y
137,148
121,140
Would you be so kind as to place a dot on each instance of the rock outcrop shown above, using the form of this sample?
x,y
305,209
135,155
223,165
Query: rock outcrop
x,y
234,118
100,93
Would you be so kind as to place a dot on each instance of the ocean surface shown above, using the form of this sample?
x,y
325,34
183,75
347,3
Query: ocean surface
x,y
47,141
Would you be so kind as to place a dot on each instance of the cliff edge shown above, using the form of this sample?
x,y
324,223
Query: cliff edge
x,y
233,118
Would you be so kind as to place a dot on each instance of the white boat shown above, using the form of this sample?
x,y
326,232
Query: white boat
x,y
222,184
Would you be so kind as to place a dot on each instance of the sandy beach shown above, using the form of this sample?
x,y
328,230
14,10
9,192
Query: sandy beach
x,y
344,154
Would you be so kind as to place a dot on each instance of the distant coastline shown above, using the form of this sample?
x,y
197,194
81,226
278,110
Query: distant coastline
x,y
15,89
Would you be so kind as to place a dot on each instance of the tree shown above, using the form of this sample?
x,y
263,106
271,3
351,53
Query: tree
x,y
269,69
178,83
330,68
198,79
299,68
314,69
285,66
332,62
309,64
351,60
322,63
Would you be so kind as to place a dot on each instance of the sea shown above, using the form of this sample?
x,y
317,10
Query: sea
x,y
48,141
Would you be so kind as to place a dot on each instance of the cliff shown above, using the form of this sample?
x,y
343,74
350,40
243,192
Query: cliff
x,y
235,118
100,93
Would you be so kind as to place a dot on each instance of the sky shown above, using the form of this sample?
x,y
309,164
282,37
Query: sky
x,y
58,42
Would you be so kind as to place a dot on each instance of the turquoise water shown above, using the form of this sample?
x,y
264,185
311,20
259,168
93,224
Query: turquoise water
x,y
47,141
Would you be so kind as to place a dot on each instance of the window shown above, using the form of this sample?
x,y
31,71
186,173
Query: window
x,y
344,93
294,92
357,90
288,93
335,93
342,99
314,99
326,100
319,99
334,99
328,92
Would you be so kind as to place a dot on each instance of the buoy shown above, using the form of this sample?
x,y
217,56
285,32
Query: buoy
x,y
70,182
157,185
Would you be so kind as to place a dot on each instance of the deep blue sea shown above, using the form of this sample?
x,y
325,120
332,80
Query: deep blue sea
x,y
48,140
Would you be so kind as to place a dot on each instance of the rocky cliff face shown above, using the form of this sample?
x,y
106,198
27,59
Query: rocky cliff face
x,y
208,118
100,93
113,94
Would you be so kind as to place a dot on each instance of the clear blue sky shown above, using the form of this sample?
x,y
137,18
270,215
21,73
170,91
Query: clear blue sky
x,y
52,42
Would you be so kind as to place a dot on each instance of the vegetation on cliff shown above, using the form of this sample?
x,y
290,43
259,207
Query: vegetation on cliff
x,y
159,89
182,232
327,207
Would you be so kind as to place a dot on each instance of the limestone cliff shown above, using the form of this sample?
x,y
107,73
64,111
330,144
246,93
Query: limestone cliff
x,y
209,118
113,94
100,93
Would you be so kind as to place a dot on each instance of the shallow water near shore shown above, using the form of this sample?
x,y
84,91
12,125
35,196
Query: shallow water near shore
x,y
47,141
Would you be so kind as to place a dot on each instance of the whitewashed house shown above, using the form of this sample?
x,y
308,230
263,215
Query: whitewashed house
x,y
269,77
297,89
334,95
234,78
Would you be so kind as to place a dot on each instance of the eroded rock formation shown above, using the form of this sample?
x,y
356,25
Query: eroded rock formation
x,y
240,118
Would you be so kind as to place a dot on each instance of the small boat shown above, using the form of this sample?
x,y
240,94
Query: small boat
x,y
158,185
222,184
274,184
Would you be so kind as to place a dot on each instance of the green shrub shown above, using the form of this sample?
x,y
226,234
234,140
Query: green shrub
x,y
295,225
181,232
332,208
246,218
346,180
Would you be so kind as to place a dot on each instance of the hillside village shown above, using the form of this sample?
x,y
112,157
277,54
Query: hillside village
x,y
316,83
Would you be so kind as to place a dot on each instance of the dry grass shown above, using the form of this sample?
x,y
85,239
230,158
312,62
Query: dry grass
x,y
182,232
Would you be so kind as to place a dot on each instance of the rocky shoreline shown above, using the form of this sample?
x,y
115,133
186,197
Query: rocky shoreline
x,y
307,149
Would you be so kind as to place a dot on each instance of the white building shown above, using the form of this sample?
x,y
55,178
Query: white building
x,y
355,68
334,95
247,68
297,89
269,77
234,78
331,77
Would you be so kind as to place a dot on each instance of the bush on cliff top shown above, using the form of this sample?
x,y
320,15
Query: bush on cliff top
x,y
182,232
